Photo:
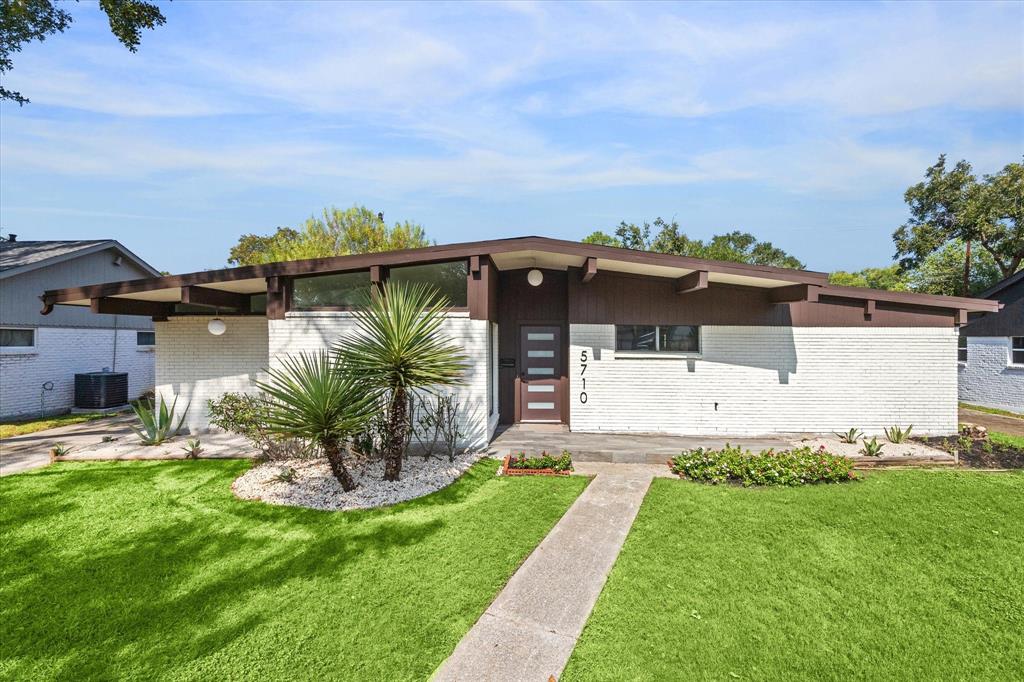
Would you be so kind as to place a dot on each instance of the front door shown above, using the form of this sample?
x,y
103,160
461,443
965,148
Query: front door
x,y
540,373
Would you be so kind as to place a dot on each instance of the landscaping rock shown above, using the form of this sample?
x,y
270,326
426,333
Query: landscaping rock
x,y
312,484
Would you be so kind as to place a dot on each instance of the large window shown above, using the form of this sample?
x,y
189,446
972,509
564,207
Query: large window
x,y
1017,350
447,278
675,338
961,349
344,290
14,340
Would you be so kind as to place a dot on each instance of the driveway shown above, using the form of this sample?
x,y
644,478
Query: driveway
x,y
993,422
31,451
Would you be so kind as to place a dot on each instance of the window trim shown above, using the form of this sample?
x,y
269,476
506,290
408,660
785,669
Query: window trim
x,y
144,347
1010,362
657,353
21,350
960,349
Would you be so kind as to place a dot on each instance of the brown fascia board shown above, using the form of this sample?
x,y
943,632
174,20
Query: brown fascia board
x,y
434,254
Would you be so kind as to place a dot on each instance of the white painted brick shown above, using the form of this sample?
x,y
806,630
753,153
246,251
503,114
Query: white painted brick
x,y
770,380
987,377
62,352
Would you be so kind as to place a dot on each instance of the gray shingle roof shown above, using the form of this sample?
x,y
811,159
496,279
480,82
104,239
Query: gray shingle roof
x,y
18,254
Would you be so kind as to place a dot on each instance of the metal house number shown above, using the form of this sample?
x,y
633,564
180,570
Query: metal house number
x,y
583,379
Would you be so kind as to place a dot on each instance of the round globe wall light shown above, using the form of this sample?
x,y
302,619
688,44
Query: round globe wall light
x,y
216,326
535,277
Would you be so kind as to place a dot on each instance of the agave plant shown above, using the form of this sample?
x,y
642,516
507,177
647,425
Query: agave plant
x,y
193,448
851,436
157,422
897,435
871,448
313,399
399,347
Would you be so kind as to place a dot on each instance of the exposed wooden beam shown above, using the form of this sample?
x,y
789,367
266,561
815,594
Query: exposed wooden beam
x,y
474,265
127,306
795,294
695,281
589,270
214,298
961,317
47,305
275,298
869,309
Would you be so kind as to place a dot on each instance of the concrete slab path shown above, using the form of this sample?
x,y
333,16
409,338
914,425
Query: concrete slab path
x,y
529,631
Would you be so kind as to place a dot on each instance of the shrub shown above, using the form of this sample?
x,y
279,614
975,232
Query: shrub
x,y
798,466
561,463
897,435
157,422
872,448
246,415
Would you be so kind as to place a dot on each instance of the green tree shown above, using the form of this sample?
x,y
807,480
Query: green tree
x,y
312,398
891,278
736,246
24,21
336,233
952,206
398,347
942,272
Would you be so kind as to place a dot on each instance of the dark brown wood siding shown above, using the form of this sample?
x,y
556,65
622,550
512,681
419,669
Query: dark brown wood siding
x,y
618,298
519,303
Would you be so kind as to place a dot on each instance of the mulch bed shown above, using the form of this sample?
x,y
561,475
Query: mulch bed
x,y
983,454
506,470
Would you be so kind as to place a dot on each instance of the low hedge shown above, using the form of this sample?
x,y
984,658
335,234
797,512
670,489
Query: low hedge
x,y
798,466
561,463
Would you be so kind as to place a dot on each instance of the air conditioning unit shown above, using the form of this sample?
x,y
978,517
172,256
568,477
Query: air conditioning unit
x,y
100,390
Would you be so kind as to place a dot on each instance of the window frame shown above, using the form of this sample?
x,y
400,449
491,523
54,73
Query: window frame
x,y
464,261
21,350
292,307
657,352
961,349
145,346
1016,349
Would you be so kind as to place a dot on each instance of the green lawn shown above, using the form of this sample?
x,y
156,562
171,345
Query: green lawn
x,y
914,575
1006,439
992,410
154,570
20,428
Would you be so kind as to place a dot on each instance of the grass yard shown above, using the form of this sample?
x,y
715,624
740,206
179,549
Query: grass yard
x,y
154,570
914,575
1006,439
20,428
992,410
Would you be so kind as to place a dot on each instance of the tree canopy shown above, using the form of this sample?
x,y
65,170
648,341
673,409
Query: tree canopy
x,y
952,205
24,21
337,233
735,246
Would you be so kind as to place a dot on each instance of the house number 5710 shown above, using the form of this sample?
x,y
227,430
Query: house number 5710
x,y
583,378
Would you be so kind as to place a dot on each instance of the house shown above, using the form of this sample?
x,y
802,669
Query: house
x,y
40,355
991,351
594,337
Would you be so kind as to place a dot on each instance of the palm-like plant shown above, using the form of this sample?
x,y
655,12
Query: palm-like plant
x,y
399,347
157,422
313,399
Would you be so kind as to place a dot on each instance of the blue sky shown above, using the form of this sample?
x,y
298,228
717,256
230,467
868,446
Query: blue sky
x,y
800,123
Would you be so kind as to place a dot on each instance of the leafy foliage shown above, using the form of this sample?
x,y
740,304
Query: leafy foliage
x,y
25,21
399,347
890,278
246,415
157,420
193,448
851,436
312,398
798,466
897,435
561,463
942,272
735,246
336,233
871,448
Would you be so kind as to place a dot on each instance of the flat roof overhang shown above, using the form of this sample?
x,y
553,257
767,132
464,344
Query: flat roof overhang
x,y
507,254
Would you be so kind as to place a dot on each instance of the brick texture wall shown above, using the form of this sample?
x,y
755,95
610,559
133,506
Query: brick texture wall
x,y
987,379
761,380
60,353
195,365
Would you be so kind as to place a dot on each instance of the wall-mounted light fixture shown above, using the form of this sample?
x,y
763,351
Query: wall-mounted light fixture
x,y
216,326
535,277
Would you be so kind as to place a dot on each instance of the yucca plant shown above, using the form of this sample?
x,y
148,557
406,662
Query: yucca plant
x,y
897,435
871,448
312,398
193,448
399,347
157,422
851,436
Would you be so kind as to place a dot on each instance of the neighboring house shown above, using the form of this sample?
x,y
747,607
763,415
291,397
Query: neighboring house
x,y
45,352
992,350
594,337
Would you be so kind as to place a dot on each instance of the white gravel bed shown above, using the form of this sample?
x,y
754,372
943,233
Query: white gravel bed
x,y
837,447
314,485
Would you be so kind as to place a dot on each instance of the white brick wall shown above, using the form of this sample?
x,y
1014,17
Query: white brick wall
x,y
310,331
60,353
770,379
987,379
195,365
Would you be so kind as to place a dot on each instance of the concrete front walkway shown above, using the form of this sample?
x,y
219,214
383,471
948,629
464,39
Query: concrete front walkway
x,y
529,631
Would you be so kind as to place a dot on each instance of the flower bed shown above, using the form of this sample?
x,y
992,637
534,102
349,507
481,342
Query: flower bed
x,y
545,465
798,466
